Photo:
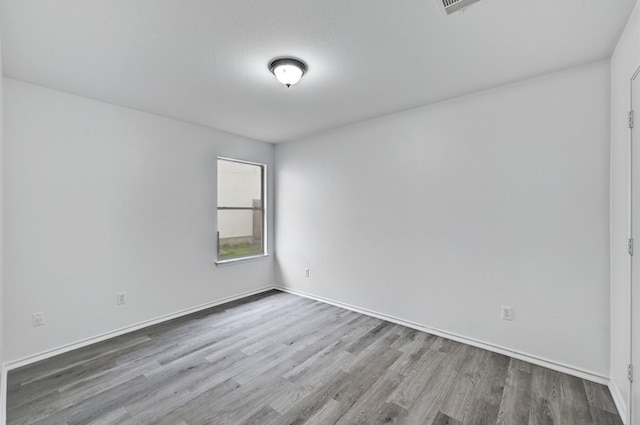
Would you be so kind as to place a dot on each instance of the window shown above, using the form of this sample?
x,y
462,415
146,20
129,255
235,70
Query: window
x,y
241,216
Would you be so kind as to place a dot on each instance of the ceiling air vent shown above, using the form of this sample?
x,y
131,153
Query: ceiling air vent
x,y
451,6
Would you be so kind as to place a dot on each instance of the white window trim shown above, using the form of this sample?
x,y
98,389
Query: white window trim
x,y
231,261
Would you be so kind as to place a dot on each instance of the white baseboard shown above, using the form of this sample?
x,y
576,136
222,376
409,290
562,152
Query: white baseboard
x,y
620,402
107,335
550,364
584,374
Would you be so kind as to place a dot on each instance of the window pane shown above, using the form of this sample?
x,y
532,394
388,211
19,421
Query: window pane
x,y
240,233
239,184
240,209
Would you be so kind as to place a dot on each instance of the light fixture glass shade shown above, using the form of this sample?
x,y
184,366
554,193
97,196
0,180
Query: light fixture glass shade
x,y
288,71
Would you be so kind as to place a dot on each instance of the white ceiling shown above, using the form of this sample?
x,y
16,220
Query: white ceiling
x,y
205,61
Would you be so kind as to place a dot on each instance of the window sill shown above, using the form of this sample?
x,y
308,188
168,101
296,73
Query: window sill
x,y
231,261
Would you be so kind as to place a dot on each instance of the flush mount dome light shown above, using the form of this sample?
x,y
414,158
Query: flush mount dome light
x,y
288,70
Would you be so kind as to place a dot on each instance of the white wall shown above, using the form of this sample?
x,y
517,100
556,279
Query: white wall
x,y
440,215
102,199
624,61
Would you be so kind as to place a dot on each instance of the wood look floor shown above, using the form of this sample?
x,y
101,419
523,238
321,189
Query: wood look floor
x,y
282,359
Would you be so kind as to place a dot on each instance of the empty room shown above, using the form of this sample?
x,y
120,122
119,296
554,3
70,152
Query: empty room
x,y
415,212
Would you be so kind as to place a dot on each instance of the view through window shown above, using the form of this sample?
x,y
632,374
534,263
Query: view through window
x,y
240,209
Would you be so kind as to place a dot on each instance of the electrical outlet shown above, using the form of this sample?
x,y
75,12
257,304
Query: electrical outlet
x,y
38,319
121,298
306,272
507,313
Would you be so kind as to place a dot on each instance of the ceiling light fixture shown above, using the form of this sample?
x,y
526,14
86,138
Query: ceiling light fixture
x,y
288,70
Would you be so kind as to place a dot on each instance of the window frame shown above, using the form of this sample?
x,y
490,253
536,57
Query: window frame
x,y
263,193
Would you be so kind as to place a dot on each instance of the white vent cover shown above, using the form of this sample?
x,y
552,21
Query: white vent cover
x,y
451,6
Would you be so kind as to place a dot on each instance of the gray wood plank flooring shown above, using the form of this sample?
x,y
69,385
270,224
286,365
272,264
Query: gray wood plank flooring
x,y
279,359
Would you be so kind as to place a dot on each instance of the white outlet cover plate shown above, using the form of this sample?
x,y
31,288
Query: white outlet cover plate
x,y
507,313
38,319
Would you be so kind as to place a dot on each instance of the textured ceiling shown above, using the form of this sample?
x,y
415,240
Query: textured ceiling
x,y
206,61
